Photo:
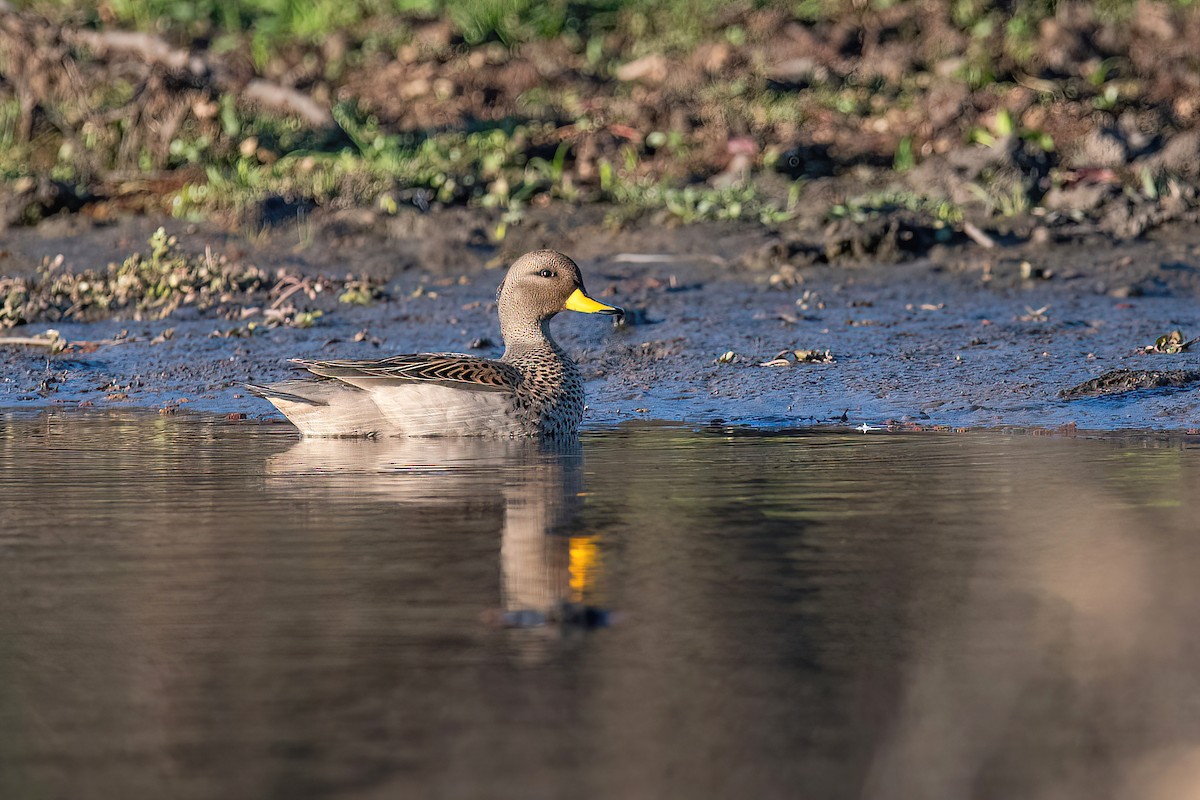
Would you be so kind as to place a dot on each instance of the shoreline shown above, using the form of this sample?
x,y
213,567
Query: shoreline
x,y
964,337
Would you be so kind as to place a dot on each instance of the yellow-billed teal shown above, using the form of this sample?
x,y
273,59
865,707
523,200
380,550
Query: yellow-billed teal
x,y
534,388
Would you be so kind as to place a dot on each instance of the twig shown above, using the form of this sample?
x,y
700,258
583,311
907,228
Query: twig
x,y
151,49
58,342
287,99
154,50
290,291
979,237
665,258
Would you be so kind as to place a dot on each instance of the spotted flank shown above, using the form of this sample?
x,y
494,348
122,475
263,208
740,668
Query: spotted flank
x,y
534,389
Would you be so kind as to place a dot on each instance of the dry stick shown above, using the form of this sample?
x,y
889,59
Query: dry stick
x,y
285,98
666,258
151,49
979,237
154,50
290,291
41,341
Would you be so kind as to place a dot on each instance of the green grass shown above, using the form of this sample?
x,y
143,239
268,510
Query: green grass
x,y
645,25
863,207
272,24
486,168
240,156
13,159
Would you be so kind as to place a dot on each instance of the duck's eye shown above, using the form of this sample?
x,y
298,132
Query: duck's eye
x,y
547,273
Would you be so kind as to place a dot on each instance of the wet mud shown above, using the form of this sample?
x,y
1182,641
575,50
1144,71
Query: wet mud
x,y
1120,381
963,336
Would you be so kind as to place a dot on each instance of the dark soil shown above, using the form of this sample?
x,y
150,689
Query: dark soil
x,y
1120,381
1093,122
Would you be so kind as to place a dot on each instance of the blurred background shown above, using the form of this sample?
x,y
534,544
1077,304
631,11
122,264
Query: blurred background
x,y
801,113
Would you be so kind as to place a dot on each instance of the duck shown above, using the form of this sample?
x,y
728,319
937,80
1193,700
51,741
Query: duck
x,y
534,389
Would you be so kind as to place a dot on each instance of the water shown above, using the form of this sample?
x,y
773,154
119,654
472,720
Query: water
x,y
204,609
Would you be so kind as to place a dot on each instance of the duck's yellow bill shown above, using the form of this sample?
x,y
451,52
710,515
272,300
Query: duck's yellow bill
x,y
578,301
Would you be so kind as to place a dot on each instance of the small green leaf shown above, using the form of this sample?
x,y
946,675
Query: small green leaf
x,y
1004,123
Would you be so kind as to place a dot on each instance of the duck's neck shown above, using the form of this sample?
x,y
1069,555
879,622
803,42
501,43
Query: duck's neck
x,y
527,336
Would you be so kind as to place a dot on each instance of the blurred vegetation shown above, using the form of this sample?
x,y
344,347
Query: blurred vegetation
x,y
283,22
593,128
274,24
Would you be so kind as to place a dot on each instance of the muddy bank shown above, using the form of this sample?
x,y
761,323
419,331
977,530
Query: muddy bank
x,y
919,118
962,337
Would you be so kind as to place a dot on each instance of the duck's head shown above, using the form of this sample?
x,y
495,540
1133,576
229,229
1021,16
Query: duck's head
x,y
541,284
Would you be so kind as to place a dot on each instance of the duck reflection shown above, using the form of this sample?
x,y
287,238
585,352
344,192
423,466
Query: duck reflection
x,y
548,575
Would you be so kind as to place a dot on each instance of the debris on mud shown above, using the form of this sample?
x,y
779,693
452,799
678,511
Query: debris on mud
x,y
52,340
1170,343
56,344
790,358
1034,314
155,284
1120,381
901,365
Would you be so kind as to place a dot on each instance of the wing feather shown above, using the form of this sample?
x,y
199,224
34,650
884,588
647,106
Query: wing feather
x,y
455,369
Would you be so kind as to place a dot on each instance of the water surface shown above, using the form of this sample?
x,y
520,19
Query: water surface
x,y
202,609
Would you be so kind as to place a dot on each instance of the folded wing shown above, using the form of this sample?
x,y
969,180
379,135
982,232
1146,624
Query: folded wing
x,y
428,394
448,369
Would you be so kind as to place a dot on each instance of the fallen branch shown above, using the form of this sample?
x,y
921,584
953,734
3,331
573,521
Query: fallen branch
x,y
149,48
155,51
288,100
666,258
978,236
57,344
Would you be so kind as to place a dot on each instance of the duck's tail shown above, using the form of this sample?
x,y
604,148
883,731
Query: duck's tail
x,y
325,408
274,393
